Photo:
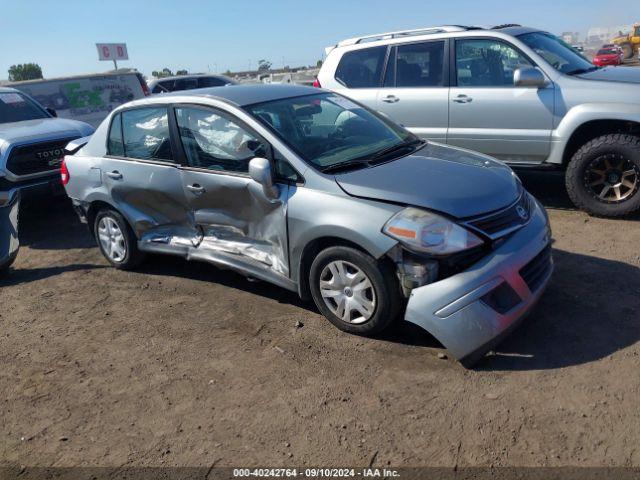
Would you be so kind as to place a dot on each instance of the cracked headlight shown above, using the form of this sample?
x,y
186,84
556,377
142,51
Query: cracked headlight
x,y
423,231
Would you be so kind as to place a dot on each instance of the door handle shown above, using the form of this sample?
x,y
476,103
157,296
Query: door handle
x,y
391,99
462,99
196,188
116,175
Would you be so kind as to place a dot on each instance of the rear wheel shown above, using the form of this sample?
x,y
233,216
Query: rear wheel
x,y
603,177
116,240
354,291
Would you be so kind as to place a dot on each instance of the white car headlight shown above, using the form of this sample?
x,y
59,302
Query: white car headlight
x,y
423,231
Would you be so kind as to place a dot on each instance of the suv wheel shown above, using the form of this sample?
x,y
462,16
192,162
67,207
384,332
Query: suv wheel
x,y
116,240
354,291
603,177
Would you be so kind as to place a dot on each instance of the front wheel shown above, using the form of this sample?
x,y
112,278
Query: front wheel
x,y
354,291
603,177
116,240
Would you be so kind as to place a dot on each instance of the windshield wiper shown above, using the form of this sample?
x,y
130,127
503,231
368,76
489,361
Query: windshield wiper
x,y
371,159
342,166
580,71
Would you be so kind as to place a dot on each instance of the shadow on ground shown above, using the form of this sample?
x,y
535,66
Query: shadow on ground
x,y
51,224
589,311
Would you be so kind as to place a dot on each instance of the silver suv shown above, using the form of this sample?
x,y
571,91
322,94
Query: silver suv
x,y
320,195
519,94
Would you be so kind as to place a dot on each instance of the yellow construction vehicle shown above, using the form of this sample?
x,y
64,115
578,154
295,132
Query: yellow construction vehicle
x,y
630,43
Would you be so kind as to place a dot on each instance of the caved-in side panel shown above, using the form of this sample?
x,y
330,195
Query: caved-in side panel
x,y
233,216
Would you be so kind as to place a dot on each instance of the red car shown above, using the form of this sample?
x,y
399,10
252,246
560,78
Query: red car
x,y
607,56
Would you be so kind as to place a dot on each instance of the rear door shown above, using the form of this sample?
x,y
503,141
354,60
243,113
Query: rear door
x,y
237,224
415,90
143,179
488,113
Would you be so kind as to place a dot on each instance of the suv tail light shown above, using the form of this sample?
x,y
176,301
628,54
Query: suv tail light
x,y
316,83
64,172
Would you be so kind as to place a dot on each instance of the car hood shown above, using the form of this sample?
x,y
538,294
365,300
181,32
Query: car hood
x,y
613,74
42,129
450,180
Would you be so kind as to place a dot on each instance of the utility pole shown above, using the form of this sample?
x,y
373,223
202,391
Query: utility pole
x,y
115,64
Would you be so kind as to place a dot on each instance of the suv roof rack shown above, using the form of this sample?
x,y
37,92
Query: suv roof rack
x,y
404,33
505,25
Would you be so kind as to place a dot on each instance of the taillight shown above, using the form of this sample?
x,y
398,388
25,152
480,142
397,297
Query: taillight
x,y
64,173
316,83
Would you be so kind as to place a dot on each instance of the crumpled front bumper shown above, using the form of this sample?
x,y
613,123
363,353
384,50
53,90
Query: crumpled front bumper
x,y
9,205
472,311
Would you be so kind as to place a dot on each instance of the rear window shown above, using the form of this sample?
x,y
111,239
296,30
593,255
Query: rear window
x,y
15,107
146,133
361,68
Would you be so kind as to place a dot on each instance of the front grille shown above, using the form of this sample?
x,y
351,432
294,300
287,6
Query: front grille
x,y
534,272
504,221
37,157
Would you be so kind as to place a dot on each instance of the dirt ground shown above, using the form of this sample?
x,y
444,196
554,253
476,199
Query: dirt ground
x,y
184,364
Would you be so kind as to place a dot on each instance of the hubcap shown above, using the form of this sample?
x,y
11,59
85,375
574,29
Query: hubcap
x,y
611,178
347,292
111,239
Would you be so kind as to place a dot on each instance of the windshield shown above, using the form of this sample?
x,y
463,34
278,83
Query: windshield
x,y
15,107
328,130
607,52
558,53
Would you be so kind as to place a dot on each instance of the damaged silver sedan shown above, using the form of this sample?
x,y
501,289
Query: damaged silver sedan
x,y
320,195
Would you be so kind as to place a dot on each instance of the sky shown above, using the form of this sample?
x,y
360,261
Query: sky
x,y
201,36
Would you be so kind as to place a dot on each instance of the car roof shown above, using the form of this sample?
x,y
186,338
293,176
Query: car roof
x,y
426,33
193,75
8,89
240,95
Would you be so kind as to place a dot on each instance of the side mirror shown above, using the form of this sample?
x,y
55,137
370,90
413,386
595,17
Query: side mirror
x,y
52,112
260,172
529,77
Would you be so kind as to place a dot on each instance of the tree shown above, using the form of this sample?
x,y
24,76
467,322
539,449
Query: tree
x,y
182,72
165,72
318,63
24,71
264,65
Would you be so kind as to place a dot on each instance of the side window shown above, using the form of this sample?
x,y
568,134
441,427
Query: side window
x,y
212,140
204,82
487,63
146,133
361,68
420,65
185,84
115,145
283,170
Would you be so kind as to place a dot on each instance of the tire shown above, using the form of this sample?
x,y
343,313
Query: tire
x,y
613,155
384,290
627,50
125,255
4,268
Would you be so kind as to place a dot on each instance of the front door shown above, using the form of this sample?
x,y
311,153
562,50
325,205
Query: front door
x,y
488,113
415,91
143,179
236,223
